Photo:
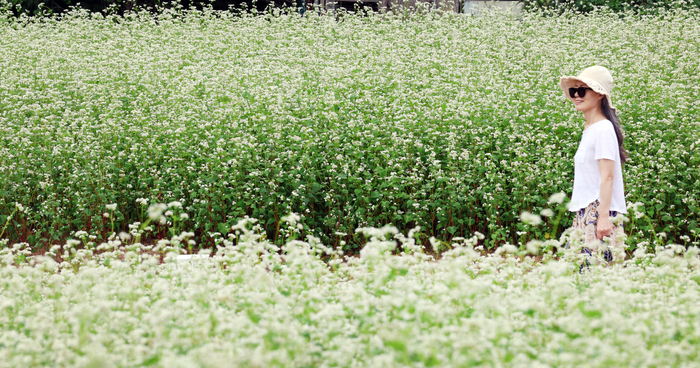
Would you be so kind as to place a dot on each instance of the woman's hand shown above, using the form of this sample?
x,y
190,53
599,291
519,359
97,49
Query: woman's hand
x,y
603,227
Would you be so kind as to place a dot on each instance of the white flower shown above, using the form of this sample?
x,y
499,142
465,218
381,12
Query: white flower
x,y
509,248
557,198
112,207
379,233
292,218
620,218
533,246
530,218
155,211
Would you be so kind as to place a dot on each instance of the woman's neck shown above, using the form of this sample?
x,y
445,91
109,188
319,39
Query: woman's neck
x,y
593,116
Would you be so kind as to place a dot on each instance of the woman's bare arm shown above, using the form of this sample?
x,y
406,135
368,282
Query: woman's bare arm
x,y
607,172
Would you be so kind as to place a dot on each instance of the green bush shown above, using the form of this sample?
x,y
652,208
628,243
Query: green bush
x,y
617,6
45,7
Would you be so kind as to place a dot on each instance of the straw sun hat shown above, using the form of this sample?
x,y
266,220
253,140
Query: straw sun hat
x,y
597,77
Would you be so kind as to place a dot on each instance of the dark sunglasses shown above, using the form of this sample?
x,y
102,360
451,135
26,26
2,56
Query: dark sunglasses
x,y
581,91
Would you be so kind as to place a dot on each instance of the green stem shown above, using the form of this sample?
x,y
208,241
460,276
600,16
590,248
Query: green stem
x,y
7,222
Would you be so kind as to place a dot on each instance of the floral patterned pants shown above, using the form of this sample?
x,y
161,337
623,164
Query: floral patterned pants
x,y
586,219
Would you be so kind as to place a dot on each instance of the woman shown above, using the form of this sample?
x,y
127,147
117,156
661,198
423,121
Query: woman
x,y
598,193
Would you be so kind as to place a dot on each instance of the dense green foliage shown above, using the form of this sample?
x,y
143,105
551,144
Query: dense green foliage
x,y
121,6
450,122
39,7
617,6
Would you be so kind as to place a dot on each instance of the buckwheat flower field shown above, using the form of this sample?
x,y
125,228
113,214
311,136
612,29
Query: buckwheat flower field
x,y
452,123
250,305
203,189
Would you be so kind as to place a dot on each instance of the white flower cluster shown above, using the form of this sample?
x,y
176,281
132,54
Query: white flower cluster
x,y
530,218
255,304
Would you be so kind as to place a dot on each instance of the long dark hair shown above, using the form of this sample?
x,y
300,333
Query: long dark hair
x,y
611,115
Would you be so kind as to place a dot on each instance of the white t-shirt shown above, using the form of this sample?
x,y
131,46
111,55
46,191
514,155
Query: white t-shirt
x,y
597,142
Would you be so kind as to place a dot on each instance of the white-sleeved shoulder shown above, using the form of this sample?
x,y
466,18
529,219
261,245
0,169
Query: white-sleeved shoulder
x,y
606,145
